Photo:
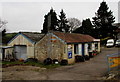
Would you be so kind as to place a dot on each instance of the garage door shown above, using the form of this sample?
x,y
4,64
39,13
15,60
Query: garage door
x,y
20,52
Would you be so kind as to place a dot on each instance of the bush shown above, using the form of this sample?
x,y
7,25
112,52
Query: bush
x,y
12,60
48,61
86,57
79,59
55,61
64,62
91,55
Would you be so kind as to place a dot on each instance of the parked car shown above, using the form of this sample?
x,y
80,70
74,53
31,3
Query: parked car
x,y
117,43
110,43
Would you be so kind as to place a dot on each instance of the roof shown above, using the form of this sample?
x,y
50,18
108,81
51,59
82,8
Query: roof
x,y
74,37
31,36
118,30
34,36
117,24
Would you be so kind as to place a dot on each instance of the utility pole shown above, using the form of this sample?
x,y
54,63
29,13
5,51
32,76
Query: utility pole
x,y
49,49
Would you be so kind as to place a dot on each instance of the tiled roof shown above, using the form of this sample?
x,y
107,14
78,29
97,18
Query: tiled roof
x,y
118,30
34,36
117,24
74,37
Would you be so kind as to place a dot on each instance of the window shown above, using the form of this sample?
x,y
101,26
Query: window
x,y
96,45
89,46
76,48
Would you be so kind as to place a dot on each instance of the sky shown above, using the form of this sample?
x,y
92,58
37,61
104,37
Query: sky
x,y
28,15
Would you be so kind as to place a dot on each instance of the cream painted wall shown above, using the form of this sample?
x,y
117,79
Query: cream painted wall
x,y
86,49
80,49
20,40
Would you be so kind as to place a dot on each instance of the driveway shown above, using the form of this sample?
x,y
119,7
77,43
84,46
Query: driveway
x,y
93,69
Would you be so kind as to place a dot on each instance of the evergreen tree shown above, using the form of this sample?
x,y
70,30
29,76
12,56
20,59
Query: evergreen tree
x,y
45,24
63,26
103,21
50,22
86,28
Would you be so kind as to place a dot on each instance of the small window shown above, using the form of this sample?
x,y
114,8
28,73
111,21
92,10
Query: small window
x,y
89,46
76,48
96,45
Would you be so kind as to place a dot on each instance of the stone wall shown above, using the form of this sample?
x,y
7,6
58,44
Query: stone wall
x,y
47,47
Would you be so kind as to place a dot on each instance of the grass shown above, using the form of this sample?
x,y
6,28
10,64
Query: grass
x,y
38,64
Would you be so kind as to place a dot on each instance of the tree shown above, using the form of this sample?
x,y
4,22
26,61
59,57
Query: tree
x,y
50,21
73,23
2,26
86,28
103,21
63,23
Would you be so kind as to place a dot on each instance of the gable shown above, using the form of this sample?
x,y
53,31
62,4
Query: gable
x,y
20,39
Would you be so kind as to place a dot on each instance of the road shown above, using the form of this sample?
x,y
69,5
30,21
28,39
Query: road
x,y
93,69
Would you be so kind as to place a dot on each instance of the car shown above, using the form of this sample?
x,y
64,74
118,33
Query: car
x,y
117,43
110,43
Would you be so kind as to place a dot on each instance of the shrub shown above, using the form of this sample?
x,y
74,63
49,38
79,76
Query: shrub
x,y
64,62
86,57
91,54
79,59
48,61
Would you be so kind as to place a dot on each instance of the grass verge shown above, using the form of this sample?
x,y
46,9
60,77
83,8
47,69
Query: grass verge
x,y
38,64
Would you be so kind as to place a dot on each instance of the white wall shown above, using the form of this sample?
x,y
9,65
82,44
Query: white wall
x,y
86,49
80,49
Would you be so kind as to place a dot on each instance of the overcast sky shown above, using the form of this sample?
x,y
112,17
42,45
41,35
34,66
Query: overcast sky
x,y
29,16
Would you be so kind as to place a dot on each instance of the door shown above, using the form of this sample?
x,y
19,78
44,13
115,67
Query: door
x,y
83,52
20,52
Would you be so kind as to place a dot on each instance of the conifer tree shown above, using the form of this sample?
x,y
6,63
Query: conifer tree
x,y
86,28
63,26
50,21
103,21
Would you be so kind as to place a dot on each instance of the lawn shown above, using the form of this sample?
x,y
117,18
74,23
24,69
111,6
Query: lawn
x,y
7,63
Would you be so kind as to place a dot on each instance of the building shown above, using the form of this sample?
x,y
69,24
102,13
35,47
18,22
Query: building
x,y
6,51
54,45
24,44
58,45
117,30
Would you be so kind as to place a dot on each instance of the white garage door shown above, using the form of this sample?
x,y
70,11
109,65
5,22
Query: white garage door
x,y
21,52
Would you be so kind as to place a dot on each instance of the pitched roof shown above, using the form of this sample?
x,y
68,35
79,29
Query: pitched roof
x,y
74,37
34,36
117,24
31,36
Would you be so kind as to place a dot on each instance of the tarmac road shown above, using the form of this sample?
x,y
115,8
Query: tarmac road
x,y
93,69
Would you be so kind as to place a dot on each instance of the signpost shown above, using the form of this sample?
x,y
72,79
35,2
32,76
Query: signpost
x,y
69,51
113,61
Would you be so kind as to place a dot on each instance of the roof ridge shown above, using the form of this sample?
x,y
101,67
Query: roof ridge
x,y
69,33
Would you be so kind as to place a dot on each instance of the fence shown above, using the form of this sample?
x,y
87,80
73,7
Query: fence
x,y
113,61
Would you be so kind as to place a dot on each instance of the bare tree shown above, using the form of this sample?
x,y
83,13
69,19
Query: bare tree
x,y
2,23
74,23
2,26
